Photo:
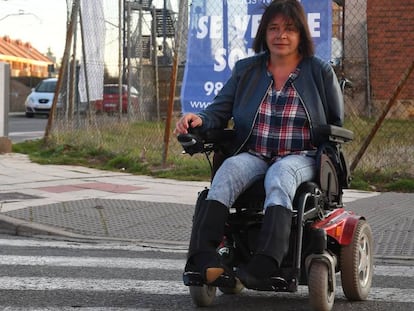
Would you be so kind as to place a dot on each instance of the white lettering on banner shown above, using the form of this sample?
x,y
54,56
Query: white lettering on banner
x,y
221,61
314,24
258,1
255,24
212,26
199,104
212,88
202,31
216,27
241,23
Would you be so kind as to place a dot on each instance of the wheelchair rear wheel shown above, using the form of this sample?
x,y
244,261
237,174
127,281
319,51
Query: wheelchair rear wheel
x,y
357,263
203,296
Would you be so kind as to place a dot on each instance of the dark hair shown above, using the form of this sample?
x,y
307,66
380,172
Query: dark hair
x,y
293,11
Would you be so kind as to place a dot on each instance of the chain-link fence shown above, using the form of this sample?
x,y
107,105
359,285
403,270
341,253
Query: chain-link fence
x,y
135,67
145,47
376,60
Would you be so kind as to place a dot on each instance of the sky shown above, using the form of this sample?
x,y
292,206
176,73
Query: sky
x,y
40,22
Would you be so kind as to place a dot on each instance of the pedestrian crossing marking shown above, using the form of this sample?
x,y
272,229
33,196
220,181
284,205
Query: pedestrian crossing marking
x,y
165,287
147,286
149,263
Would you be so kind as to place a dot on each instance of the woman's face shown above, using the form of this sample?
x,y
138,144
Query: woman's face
x,y
282,37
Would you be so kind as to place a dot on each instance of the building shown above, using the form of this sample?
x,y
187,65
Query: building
x,y
24,59
391,49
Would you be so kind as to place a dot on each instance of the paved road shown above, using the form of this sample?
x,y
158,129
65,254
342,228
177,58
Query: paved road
x,y
44,274
89,203
148,221
22,128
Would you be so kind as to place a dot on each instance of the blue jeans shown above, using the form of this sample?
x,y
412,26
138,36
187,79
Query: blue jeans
x,y
282,178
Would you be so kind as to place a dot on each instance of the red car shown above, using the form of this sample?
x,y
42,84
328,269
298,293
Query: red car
x,y
110,101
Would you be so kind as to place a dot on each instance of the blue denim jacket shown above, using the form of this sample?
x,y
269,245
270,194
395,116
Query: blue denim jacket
x,y
240,97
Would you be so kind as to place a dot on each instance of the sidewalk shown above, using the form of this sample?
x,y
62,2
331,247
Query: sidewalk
x,y
83,203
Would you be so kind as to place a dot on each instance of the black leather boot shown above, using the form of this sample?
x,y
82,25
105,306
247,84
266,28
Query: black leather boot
x,y
275,233
206,235
273,245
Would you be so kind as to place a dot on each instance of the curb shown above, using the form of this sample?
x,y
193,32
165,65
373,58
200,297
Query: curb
x,y
20,227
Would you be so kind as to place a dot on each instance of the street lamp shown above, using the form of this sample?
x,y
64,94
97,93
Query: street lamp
x,y
20,13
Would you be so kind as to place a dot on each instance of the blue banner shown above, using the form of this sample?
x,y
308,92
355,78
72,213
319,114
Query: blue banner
x,y
222,32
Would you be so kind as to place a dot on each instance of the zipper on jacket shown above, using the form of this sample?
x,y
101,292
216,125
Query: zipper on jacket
x,y
254,119
306,111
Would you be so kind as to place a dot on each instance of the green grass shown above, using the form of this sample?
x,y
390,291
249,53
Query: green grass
x,y
382,181
115,154
137,148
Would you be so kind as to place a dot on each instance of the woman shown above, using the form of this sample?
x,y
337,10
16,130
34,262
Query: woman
x,y
276,99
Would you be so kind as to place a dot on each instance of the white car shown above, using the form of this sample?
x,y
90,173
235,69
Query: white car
x,y
40,99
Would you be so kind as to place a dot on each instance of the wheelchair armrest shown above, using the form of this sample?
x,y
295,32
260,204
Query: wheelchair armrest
x,y
216,136
333,133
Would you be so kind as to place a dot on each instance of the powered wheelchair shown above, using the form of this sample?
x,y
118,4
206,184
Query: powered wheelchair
x,y
325,238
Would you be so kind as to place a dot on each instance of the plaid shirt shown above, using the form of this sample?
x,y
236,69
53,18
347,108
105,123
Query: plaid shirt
x,y
282,125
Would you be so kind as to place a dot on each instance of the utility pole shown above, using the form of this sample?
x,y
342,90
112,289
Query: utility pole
x,y
5,143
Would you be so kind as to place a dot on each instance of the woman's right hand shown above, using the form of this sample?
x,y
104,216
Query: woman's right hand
x,y
186,121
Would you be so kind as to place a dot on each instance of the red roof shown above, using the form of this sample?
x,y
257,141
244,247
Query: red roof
x,y
24,59
18,48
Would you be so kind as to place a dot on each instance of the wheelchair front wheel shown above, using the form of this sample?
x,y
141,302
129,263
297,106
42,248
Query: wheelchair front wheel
x,y
321,292
357,263
234,290
203,296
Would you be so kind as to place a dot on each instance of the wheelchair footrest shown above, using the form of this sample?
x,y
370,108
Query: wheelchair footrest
x,y
277,284
282,285
194,279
